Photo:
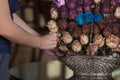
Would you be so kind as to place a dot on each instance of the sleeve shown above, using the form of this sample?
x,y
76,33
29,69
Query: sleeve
x,y
17,5
14,5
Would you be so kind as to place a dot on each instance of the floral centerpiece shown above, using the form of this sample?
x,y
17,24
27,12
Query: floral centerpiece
x,y
90,34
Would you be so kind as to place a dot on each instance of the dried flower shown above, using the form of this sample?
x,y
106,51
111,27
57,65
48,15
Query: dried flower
x,y
98,40
67,38
80,2
111,19
86,28
53,13
52,26
71,26
62,23
79,9
115,3
112,41
97,9
87,8
77,32
73,13
92,49
97,1
107,31
101,24
115,28
71,4
76,46
105,8
117,12
84,39
104,1
96,29
64,12
88,2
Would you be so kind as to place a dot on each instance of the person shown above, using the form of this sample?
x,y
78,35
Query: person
x,y
14,29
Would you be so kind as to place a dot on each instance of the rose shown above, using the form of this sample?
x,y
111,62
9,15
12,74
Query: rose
x,y
54,13
107,31
62,23
86,28
73,13
117,12
80,2
97,1
84,39
106,8
102,23
112,41
79,9
71,4
115,28
52,26
96,29
71,26
115,3
98,40
92,49
88,2
76,46
77,32
67,38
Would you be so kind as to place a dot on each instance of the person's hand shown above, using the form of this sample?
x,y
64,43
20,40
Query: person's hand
x,y
55,53
49,41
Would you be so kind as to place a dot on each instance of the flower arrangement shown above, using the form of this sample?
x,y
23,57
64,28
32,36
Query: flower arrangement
x,y
87,27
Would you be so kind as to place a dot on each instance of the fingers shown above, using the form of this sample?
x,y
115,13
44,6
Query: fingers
x,y
50,41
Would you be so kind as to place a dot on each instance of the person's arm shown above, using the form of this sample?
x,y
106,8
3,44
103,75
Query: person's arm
x,y
13,32
23,25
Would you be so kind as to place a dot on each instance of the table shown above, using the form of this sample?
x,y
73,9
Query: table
x,y
38,71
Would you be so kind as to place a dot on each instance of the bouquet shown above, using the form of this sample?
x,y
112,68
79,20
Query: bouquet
x,y
87,27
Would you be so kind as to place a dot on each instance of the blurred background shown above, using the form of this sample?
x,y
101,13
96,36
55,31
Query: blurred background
x,y
28,63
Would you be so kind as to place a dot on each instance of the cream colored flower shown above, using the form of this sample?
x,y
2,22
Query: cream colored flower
x,y
76,46
84,39
97,1
117,12
52,25
112,41
53,13
102,43
67,38
98,40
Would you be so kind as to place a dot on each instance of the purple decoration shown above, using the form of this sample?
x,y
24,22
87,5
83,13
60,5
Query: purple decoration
x,y
63,8
105,8
71,4
73,13
115,3
80,2
87,8
59,2
88,2
79,9
104,2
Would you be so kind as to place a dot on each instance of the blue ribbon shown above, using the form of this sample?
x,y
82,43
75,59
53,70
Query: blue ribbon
x,y
88,17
